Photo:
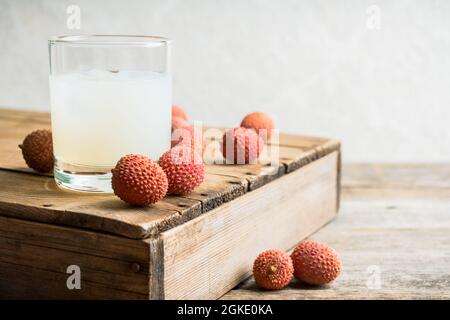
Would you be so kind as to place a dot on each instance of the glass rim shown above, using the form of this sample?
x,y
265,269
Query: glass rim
x,y
110,39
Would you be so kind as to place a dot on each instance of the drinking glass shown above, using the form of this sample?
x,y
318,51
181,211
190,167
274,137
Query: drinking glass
x,y
110,96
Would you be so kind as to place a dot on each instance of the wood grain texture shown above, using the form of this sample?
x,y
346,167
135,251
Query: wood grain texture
x,y
36,197
214,252
393,226
397,175
282,155
39,199
34,258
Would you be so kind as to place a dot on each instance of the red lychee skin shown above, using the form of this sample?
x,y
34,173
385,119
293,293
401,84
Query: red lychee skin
x,y
139,181
184,169
247,145
315,263
179,123
177,111
259,121
37,150
189,137
273,269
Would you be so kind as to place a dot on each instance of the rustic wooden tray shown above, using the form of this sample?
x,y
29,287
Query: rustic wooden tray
x,y
194,247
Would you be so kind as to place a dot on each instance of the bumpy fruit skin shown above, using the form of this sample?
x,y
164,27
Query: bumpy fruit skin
x,y
259,121
273,269
139,181
184,169
189,137
179,123
315,263
177,111
37,150
247,145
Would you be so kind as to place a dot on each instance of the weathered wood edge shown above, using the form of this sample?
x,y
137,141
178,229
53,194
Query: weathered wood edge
x,y
157,275
196,226
210,200
252,178
261,174
109,256
394,216
156,268
207,201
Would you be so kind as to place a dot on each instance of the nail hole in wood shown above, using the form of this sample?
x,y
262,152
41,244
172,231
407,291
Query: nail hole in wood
x,y
182,204
233,182
204,194
47,205
135,267
249,173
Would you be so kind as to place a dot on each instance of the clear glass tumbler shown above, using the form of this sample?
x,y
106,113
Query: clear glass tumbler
x,y
110,96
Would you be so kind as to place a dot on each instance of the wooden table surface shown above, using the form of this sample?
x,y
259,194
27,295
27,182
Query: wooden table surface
x,y
392,234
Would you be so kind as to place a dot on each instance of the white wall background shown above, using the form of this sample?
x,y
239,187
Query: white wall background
x,y
314,65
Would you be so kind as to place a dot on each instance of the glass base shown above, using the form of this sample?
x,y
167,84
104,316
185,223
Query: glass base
x,y
77,178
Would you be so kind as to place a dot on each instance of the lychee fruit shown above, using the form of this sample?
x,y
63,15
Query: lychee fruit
x,y
241,145
137,180
259,121
184,169
37,150
273,269
190,137
179,123
177,111
315,263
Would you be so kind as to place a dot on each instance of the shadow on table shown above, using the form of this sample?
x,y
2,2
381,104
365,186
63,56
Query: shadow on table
x,y
295,284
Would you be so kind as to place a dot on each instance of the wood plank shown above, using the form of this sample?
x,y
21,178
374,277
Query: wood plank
x,y
231,235
272,163
404,263
411,194
34,258
174,245
282,139
17,124
394,218
416,175
71,239
25,115
296,157
267,168
217,190
156,291
299,291
105,271
19,282
46,203
304,142
256,175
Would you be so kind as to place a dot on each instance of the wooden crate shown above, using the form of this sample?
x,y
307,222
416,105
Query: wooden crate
x,y
193,247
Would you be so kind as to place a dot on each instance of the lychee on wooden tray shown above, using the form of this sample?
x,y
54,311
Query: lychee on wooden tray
x,y
195,242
